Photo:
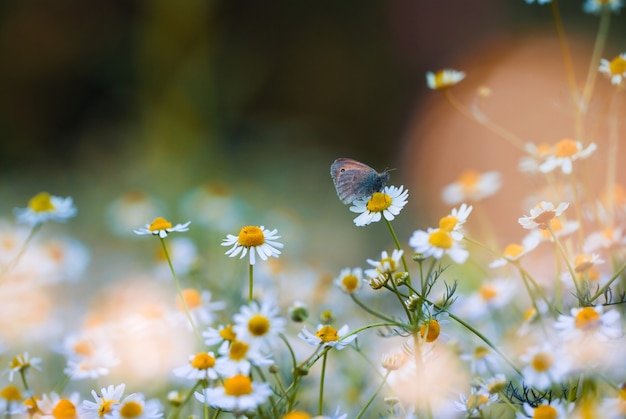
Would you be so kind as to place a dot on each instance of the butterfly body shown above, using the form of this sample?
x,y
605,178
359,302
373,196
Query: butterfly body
x,y
355,180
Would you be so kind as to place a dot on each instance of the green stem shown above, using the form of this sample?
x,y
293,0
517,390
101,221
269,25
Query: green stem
x,y
251,283
598,47
371,399
397,243
570,268
608,284
370,310
180,291
321,400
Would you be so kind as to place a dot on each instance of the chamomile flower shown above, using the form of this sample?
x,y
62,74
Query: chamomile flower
x,y
564,153
327,335
104,403
472,186
135,406
491,295
201,308
349,280
52,406
22,363
257,240
388,203
161,227
97,363
537,153
11,402
541,215
238,394
259,324
604,239
615,407
238,357
199,367
437,242
614,69
385,268
223,334
483,361
596,6
43,207
475,402
444,78
513,252
553,409
544,366
590,322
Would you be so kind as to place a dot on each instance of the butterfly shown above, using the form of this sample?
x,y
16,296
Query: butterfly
x,y
355,180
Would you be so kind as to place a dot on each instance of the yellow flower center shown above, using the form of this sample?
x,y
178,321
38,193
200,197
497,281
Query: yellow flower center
x,y
545,412
431,329
542,361
227,333
390,263
327,334
238,385
488,292
159,223
296,415
378,202
469,180
477,400
543,150
192,298
64,409
448,223
202,361
41,202
593,275
258,325
529,314
105,407
238,350
350,282
617,65
582,263
11,393
586,318
131,409
251,236
441,239
17,362
513,250
481,352
83,347
565,148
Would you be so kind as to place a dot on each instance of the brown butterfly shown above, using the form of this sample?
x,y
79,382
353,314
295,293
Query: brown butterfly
x,y
354,180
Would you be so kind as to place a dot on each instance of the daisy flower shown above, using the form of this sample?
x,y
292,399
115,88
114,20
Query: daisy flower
x,y
475,402
443,78
471,186
256,240
161,227
200,367
590,322
201,308
259,325
615,407
596,6
559,226
385,268
541,214
490,296
11,402
135,406
388,203
513,252
553,409
104,403
327,335
584,263
238,394
22,363
437,242
604,239
543,366
130,209
224,333
483,361
96,364
564,153
52,406
43,207
349,280
537,153
238,358
614,69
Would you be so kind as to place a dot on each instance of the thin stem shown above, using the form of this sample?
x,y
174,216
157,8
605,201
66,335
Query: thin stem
x,y
397,242
371,399
598,47
251,283
12,264
612,155
320,405
570,268
371,310
180,291
608,284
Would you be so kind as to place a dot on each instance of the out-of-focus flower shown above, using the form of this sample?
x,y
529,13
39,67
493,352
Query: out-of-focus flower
x,y
132,209
22,363
513,252
327,335
564,153
52,406
200,306
43,207
596,6
471,186
544,366
590,322
541,215
553,409
444,78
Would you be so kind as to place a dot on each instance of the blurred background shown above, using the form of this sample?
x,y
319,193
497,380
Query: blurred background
x,y
230,113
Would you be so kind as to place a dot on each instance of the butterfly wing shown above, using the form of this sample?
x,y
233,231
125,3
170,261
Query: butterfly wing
x,y
354,180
